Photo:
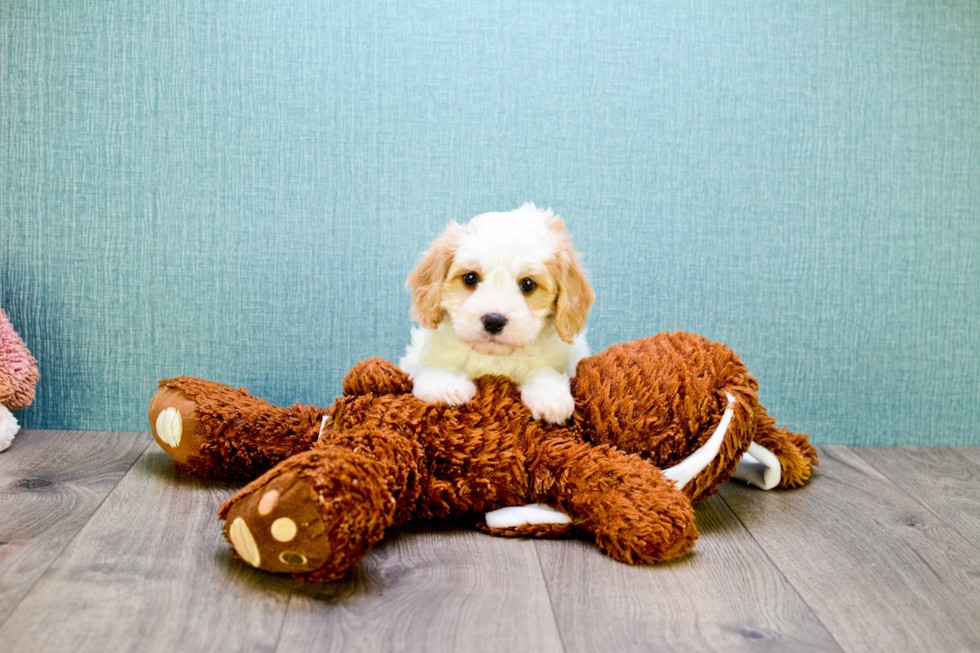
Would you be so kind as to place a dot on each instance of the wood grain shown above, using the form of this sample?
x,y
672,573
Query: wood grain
x,y
970,453
940,478
50,484
151,572
878,569
429,589
725,596
878,552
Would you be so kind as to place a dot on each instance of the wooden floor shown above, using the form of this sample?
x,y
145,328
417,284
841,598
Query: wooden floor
x,y
105,547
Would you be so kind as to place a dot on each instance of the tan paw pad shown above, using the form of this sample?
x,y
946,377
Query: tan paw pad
x,y
243,541
268,502
283,529
169,426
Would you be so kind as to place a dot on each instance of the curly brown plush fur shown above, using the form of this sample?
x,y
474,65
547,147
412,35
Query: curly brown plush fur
x,y
384,458
228,433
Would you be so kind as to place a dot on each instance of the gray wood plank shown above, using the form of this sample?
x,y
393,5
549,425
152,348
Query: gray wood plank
x,y
51,482
970,453
725,596
940,478
151,572
879,570
877,552
431,589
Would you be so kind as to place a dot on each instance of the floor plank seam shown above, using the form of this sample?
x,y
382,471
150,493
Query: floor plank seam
x,y
551,603
789,582
55,558
915,499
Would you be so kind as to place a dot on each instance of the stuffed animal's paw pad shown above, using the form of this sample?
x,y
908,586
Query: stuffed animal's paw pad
x,y
168,426
174,424
279,528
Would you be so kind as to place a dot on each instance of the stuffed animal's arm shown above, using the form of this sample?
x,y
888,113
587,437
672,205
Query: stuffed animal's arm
x,y
214,430
317,513
376,376
635,512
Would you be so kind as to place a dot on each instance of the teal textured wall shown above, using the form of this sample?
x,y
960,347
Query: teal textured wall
x,y
238,190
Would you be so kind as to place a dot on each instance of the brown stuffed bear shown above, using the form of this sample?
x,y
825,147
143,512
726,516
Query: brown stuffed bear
x,y
659,422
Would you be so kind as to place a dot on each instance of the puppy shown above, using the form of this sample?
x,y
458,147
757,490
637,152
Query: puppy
x,y
505,294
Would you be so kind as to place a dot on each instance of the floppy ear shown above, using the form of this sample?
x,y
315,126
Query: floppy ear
x,y
575,295
427,278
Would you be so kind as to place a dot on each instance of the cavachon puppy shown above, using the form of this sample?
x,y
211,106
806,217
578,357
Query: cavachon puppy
x,y
504,294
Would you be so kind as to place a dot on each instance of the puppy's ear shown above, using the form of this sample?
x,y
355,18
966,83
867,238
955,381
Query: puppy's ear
x,y
427,278
575,294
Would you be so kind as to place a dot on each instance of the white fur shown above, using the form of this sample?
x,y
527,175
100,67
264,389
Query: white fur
x,y
442,362
8,427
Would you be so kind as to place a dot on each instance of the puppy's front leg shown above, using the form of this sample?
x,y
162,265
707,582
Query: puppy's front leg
x,y
442,387
547,394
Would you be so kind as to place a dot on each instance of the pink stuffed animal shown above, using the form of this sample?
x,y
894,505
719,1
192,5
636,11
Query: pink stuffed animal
x,y
18,376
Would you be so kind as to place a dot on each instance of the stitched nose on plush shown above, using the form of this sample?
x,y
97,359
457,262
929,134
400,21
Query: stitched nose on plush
x,y
494,323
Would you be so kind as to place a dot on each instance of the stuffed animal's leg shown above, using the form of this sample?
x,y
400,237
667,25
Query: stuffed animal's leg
x,y
715,460
316,514
767,457
210,429
782,458
636,514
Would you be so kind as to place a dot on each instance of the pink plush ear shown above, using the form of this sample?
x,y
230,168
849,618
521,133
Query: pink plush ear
x,y
18,369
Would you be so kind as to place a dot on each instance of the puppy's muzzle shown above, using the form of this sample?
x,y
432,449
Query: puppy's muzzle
x,y
494,323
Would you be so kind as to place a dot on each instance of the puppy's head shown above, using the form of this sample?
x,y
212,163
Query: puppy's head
x,y
502,280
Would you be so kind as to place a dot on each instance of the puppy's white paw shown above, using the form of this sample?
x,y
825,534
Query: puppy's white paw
x,y
443,388
549,398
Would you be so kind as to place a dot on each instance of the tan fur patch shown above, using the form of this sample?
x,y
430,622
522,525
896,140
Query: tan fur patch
x,y
575,294
542,299
455,291
427,279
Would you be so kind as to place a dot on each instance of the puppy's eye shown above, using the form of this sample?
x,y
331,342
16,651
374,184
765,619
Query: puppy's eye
x,y
471,279
527,284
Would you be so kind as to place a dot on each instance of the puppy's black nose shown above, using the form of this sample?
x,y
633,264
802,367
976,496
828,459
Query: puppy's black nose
x,y
494,323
